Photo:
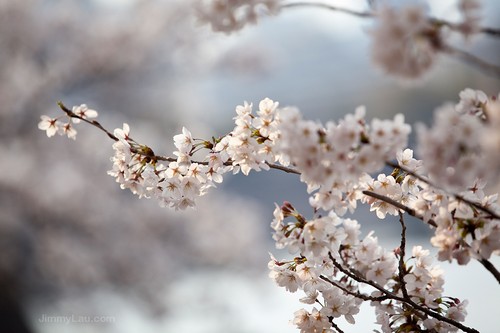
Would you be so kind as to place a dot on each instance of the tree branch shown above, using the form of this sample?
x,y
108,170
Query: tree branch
x,y
401,262
96,124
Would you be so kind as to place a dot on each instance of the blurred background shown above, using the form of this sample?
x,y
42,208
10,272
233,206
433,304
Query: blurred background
x,y
73,244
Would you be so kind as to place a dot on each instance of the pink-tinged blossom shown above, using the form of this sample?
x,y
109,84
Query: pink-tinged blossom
x,y
84,112
406,160
285,278
382,269
445,240
50,125
471,15
332,159
472,102
487,239
68,130
184,142
451,148
250,145
123,134
386,186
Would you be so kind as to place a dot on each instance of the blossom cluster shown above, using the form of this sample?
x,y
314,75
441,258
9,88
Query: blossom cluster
x,y
333,158
334,267
462,141
250,146
406,42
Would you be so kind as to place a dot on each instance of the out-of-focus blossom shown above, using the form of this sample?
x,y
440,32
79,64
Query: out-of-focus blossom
x,y
231,15
404,43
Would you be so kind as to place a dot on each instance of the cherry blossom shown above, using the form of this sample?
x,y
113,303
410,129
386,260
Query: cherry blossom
x,y
331,265
50,125
84,112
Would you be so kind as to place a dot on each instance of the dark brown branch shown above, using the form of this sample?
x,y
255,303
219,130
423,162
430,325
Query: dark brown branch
x,y
490,268
491,31
402,253
335,326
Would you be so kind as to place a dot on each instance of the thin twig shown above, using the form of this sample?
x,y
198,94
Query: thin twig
x,y
71,114
329,7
